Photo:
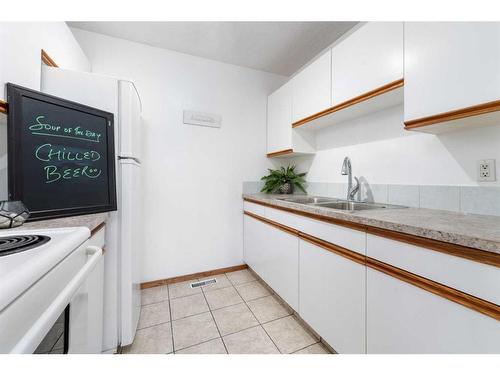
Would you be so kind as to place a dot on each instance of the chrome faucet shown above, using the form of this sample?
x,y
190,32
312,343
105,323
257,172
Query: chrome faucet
x,y
347,171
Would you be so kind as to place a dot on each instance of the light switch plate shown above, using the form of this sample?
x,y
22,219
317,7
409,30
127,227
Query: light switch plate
x,y
486,170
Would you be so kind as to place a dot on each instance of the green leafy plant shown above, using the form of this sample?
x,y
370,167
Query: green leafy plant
x,y
277,180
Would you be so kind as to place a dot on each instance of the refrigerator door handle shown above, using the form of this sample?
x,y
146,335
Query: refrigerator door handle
x,y
129,158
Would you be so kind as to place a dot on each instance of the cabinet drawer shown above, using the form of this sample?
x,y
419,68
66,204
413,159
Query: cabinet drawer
x,y
478,279
256,209
342,236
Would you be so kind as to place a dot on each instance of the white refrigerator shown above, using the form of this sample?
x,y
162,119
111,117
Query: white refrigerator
x,y
124,232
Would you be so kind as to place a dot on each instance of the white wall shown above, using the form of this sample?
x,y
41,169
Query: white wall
x,y
20,63
192,175
384,153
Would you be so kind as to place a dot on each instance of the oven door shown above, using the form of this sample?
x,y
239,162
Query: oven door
x,y
56,341
74,315
86,314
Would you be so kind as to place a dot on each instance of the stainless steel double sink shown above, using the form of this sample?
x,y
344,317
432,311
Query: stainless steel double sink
x,y
338,204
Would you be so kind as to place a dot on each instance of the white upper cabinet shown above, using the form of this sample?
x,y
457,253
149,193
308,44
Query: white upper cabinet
x,y
20,51
20,59
279,119
369,58
281,138
450,66
311,88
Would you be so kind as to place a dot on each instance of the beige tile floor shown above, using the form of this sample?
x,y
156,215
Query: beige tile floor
x,y
237,315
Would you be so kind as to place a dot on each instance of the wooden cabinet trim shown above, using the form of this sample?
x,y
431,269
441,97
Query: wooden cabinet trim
x,y
339,250
279,153
97,229
356,100
477,304
3,106
469,253
47,60
484,307
329,220
457,114
279,226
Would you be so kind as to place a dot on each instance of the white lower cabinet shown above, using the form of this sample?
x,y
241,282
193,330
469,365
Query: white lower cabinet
x,y
332,297
357,309
274,255
402,318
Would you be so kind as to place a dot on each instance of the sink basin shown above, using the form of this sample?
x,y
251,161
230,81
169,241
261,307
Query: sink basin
x,y
355,206
309,200
337,204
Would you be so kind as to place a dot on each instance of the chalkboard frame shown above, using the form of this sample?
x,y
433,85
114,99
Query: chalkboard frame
x,y
15,95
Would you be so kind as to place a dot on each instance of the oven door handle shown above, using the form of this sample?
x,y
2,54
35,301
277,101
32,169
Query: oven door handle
x,y
38,330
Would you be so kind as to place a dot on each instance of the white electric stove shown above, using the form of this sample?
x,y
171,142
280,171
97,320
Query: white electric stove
x,y
51,284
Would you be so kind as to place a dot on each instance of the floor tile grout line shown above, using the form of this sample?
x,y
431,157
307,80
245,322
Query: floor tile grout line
x,y
215,290
273,320
188,295
243,301
241,330
244,329
203,342
153,325
248,307
198,313
291,314
190,316
307,346
154,303
213,317
171,321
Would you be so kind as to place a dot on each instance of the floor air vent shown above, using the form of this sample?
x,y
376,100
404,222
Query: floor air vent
x,y
203,283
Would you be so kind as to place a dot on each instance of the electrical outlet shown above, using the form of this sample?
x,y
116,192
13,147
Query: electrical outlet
x,y
486,170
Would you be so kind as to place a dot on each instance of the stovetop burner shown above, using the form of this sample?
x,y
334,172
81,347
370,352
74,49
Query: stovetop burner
x,y
16,244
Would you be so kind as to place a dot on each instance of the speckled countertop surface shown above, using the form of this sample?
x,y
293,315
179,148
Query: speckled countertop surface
x,y
91,221
476,231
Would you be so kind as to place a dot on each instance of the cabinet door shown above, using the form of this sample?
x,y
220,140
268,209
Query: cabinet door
x,y
402,318
19,54
369,58
253,238
279,119
450,65
274,255
332,297
311,88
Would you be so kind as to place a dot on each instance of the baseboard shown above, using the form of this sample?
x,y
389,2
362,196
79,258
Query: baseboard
x,y
178,279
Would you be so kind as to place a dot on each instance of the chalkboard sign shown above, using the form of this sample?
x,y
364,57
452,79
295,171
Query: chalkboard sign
x,y
61,159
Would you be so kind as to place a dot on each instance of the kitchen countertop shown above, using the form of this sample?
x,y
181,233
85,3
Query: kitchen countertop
x,y
91,221
476,231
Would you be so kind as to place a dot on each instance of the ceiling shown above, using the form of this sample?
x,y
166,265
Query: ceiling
x,y
275,47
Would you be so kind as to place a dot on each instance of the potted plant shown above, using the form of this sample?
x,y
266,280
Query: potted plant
x,y
283,180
